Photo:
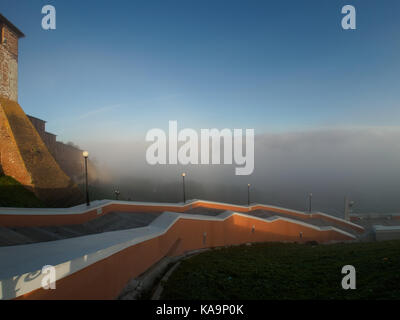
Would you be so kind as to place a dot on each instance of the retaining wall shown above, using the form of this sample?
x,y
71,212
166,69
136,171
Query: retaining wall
x,y
99,266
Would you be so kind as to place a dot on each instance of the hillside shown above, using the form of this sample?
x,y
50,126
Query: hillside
x,y
288,271
13,194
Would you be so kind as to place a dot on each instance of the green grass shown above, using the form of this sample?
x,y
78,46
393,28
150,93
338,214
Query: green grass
x,y
13,194
288,271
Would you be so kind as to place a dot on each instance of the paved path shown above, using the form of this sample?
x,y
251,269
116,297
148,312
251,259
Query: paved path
x,y
110,222
121,221
314,221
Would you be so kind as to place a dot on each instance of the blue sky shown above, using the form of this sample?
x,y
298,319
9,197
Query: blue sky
x,y
115,69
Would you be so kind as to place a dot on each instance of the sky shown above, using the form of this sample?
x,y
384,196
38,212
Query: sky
x,y
120,68
324,102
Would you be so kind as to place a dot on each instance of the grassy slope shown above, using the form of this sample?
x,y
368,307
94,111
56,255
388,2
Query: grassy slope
x,y
13,194
289,271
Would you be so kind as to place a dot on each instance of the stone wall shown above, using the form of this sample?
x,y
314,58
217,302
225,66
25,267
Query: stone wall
x,y
25,157
68,156
27,152
8,63
10,157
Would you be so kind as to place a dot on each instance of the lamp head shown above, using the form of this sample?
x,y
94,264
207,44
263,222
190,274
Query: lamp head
x,y
85,154
184,174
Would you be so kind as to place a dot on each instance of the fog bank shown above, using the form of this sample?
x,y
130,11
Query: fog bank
x,y
361,163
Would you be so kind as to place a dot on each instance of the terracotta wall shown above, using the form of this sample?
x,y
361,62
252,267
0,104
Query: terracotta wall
x,y
69,219
106,278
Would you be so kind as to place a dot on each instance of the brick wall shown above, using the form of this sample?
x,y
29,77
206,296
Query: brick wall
x,y
68,157
39,124
11,161
26,158
8,63
25,152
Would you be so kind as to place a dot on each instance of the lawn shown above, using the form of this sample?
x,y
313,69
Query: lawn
x,y
288,271
13,194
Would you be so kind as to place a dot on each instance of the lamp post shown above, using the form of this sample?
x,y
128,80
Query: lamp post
x,y
248,194
310,201
184,192
348,205
86,155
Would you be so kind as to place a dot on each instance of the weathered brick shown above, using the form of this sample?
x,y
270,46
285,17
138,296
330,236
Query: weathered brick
x,y
69,157
25,157
9,59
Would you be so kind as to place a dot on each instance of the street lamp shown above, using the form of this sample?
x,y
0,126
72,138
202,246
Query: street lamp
x,y
348,208
184,193
310,201
248,194
86,155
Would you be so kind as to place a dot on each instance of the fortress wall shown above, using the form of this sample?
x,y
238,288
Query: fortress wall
x,y
9,64
26,158
24,152
39,124
44,170
11,161
70,160
68,157
49,140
